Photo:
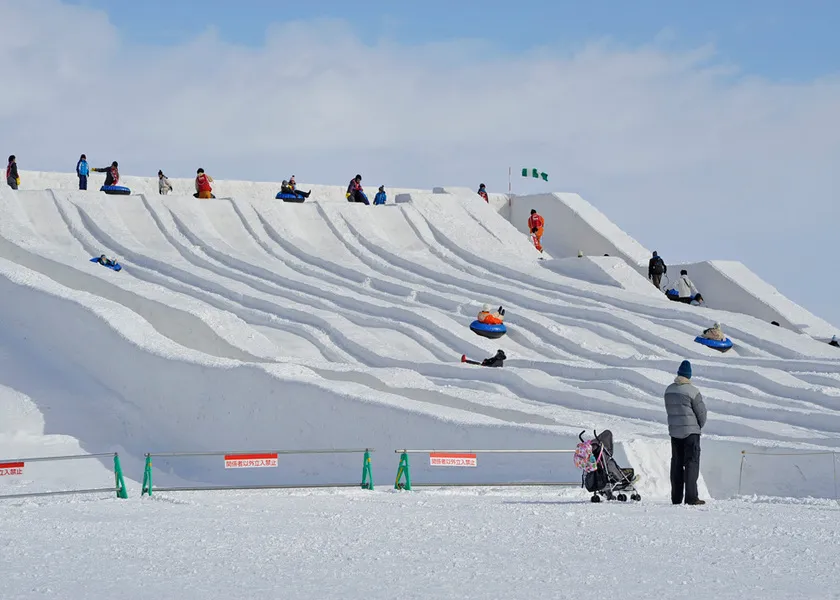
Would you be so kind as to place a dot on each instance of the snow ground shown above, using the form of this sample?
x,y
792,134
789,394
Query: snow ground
x,y
431,544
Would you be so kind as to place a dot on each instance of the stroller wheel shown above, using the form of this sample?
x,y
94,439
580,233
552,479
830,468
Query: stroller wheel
x,y
622,498
595,498
636,497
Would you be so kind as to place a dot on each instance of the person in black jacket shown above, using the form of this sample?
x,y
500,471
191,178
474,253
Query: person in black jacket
x,y
112,174
656,268
495,361
12,177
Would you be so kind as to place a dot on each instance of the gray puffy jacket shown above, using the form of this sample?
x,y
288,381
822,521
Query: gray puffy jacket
x,y
686,410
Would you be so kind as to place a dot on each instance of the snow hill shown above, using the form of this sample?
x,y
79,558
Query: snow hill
x,y
245,323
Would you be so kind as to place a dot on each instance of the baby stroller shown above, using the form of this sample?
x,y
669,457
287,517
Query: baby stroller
x,y
601,474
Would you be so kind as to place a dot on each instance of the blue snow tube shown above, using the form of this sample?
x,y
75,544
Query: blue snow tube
x,y
672,294
489,331
289,197
115,266
716,344
115,190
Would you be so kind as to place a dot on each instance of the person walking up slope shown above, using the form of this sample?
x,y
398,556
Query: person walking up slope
x,y
535,225
12,176
82,171
686,419
656,268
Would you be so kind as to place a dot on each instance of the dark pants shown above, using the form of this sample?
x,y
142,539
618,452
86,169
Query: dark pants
x,y
358,196
656,278
685,468
82,182
12,183
686,300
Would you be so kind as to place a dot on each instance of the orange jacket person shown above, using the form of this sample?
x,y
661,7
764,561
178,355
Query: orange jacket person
x,y
535,226
491,317
202,185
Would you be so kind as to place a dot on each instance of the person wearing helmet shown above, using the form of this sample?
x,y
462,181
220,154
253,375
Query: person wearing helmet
x,y
482,191
535,225
714,333
112,174
488,316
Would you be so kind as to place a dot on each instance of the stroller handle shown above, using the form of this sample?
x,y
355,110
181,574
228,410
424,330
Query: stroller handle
x,y
580,436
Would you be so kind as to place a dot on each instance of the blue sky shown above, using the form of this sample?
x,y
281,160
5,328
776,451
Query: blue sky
x,y
779,39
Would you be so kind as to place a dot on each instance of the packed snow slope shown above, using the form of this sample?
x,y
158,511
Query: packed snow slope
x,y
573,225
245,323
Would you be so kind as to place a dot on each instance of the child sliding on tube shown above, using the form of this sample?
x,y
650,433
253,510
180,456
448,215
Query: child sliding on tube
x,y
491,317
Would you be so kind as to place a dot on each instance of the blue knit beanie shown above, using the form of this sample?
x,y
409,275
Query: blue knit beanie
x,y
685,369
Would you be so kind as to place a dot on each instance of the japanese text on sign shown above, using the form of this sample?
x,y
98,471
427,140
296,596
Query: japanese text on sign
x,y
250,461
453,460
15,468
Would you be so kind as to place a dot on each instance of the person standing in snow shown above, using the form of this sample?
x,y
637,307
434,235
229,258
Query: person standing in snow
x,y
834,342
656,268
381,197
482,191
164,187
535,225
203,189
686,288
112,174
82,171
686,419
12,176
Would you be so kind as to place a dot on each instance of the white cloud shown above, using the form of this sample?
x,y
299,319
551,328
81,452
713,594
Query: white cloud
x,y
686,153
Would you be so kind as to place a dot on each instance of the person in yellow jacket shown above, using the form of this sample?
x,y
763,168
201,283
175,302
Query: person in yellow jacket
x,y
12,176
489,316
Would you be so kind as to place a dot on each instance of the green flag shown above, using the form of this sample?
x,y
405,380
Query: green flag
x,y
535,173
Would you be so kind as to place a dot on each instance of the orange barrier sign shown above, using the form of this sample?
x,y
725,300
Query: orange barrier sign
x,y
11,468
447,459
250,461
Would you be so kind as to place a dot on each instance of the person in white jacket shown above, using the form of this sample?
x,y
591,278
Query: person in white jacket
x,y
686,288
164,187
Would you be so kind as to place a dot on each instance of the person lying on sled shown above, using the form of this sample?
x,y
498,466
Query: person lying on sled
x,y
104,260
714,333
491,317
495,361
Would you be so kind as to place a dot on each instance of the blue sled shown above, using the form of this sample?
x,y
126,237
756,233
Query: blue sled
x,y
115,190
289,197
716,344
114,267
489,331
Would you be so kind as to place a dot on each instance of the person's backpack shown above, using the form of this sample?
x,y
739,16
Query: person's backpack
x,y
658,266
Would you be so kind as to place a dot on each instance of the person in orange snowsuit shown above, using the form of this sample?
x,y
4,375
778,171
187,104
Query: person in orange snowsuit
x,y
535,225
489,316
